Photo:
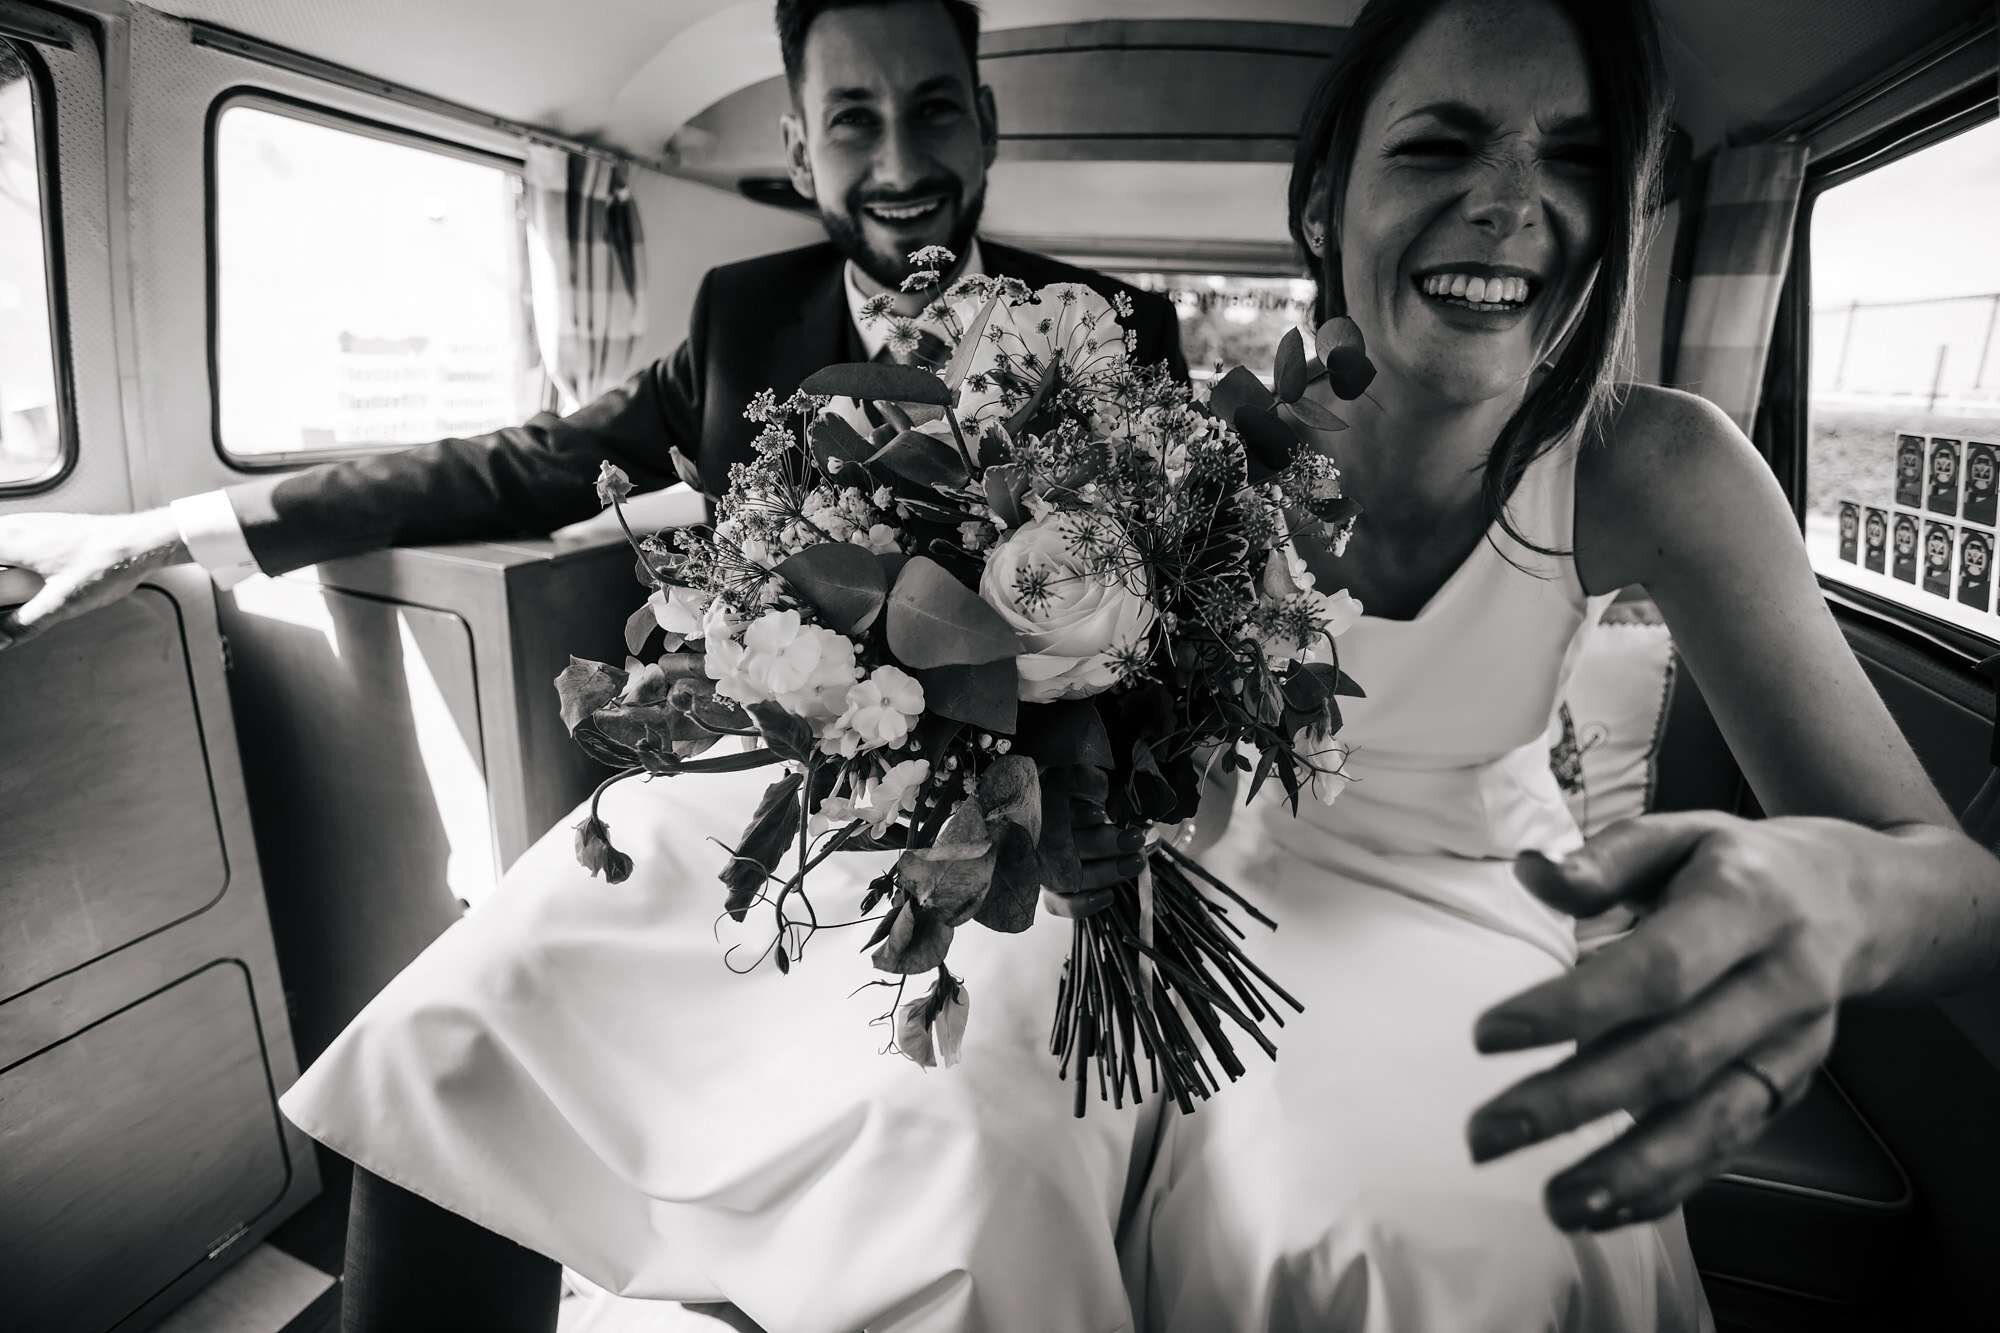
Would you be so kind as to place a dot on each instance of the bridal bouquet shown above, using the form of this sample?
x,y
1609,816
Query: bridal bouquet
x,y
948,603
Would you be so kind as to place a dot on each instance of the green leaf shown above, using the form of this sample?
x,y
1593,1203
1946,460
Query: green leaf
x,y
665,726
987,695
1288,373
951,876
1018,423
584,687
936,621
918,940
841,581
880,381
923,459
1005,484
788,735
1345,354
1010,793
1337,510
639,627
1238,389
1347,689
1069,731
835,445
1315,415
1269,441
968,346
770,832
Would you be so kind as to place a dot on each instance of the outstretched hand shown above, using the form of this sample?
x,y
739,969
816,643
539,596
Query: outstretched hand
x,y
1110,856
1704,1022
84,561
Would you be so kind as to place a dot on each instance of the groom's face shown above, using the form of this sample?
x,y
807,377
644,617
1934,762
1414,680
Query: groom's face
x,y
890,134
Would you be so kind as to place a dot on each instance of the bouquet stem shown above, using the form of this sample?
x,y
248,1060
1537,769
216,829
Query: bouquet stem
x,y
1123,997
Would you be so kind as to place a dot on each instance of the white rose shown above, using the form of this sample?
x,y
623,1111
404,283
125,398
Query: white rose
x,y
1073,619
880,713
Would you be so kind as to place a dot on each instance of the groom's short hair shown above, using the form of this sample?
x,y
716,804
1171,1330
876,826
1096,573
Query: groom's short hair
x,y
795,19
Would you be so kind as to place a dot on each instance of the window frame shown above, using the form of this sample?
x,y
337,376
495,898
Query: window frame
x,y
42,101
1788,381
299,108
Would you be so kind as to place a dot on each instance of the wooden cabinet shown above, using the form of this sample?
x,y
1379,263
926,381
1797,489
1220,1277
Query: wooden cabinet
x,y
143,1039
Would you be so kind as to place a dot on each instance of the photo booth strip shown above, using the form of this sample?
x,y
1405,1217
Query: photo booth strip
x,y
1903,543
1939,539
1875,540
1850,532
1910,471
1975,568
1941,475
1982,483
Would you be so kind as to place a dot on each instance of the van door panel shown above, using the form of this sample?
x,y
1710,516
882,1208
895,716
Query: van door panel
x,y
105,841
132,1148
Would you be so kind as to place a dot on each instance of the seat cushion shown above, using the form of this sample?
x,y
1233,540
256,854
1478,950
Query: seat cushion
x,y
1816,1209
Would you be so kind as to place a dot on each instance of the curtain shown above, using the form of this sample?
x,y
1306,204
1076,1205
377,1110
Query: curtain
x,y
1743,246
586,272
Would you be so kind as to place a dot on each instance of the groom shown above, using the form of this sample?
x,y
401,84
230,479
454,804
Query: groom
x,y
890,134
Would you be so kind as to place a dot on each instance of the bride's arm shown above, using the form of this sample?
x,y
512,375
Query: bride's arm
x,y
1859,884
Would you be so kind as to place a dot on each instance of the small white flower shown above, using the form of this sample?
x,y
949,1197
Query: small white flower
x,y
679,612
1326,757
880,713
881,803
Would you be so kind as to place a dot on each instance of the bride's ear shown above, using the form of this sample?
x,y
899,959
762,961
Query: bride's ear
x,y
1313,222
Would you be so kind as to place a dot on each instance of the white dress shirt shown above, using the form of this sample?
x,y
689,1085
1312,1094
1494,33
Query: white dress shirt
x,y
213,534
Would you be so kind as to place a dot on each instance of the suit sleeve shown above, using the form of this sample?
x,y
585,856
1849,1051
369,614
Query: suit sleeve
x,y
519,481
1166,336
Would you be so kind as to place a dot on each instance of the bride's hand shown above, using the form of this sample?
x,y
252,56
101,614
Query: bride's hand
x,y
1110,856
1704,1022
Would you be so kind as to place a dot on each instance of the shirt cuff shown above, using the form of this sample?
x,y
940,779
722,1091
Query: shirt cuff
x,y
214,537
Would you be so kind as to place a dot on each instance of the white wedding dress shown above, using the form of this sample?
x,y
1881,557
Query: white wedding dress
x,y
574,1067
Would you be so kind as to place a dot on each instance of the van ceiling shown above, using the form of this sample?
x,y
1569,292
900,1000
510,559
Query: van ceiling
x,y
697,82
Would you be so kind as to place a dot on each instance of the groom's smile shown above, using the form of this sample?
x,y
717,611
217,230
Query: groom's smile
x,y
890,134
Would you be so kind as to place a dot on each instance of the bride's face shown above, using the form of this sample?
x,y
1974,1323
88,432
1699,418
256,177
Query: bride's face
x,y
1474,208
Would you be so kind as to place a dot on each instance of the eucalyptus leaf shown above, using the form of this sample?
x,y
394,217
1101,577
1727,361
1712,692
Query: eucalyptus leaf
x,y
936,621
1288,372
1269,441
986,695
880,381
951,876
1345,354
841,581
1315,415
685,469
922,459
836,445
1238,389
1005,484
1068,731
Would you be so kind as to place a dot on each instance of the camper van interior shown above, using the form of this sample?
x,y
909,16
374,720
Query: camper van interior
x,y
240,237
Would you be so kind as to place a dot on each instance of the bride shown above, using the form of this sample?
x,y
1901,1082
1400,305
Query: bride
x,y
570,1074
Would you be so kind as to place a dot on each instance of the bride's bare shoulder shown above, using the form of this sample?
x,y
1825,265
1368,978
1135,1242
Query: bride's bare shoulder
x,y
1671,469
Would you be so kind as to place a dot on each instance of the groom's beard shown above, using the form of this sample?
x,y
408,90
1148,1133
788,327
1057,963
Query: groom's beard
x,y
846,229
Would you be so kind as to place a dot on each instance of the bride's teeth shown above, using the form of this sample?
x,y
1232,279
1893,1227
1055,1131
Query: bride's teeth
x,y
1492,293
1475,290
1458,284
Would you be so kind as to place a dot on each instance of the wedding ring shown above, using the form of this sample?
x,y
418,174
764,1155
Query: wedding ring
x,y
1750,1067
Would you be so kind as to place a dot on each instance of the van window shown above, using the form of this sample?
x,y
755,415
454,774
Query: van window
x,y
369,290
1232,319
31,428
1903,396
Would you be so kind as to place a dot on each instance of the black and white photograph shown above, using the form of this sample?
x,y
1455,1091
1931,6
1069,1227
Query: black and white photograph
x,y
999,666
1982,483
1875,540
1975,568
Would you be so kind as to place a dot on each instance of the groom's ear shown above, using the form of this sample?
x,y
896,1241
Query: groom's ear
x,y
798,162
989,123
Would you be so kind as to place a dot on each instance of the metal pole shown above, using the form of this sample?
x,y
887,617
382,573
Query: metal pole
x,y
1992,317
1937,379
1846,341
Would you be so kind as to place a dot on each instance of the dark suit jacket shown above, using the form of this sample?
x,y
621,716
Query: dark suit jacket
x,y
763,323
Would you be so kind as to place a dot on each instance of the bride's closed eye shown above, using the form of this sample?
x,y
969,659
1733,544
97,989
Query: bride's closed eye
x,y
1432,149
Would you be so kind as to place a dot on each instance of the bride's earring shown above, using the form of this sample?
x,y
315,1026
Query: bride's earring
x,y
1316,240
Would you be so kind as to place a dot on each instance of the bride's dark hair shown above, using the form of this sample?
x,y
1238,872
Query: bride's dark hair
x,y
1620,40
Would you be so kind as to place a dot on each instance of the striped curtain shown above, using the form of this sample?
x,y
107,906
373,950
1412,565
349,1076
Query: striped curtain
x,y
586,272
1742,248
